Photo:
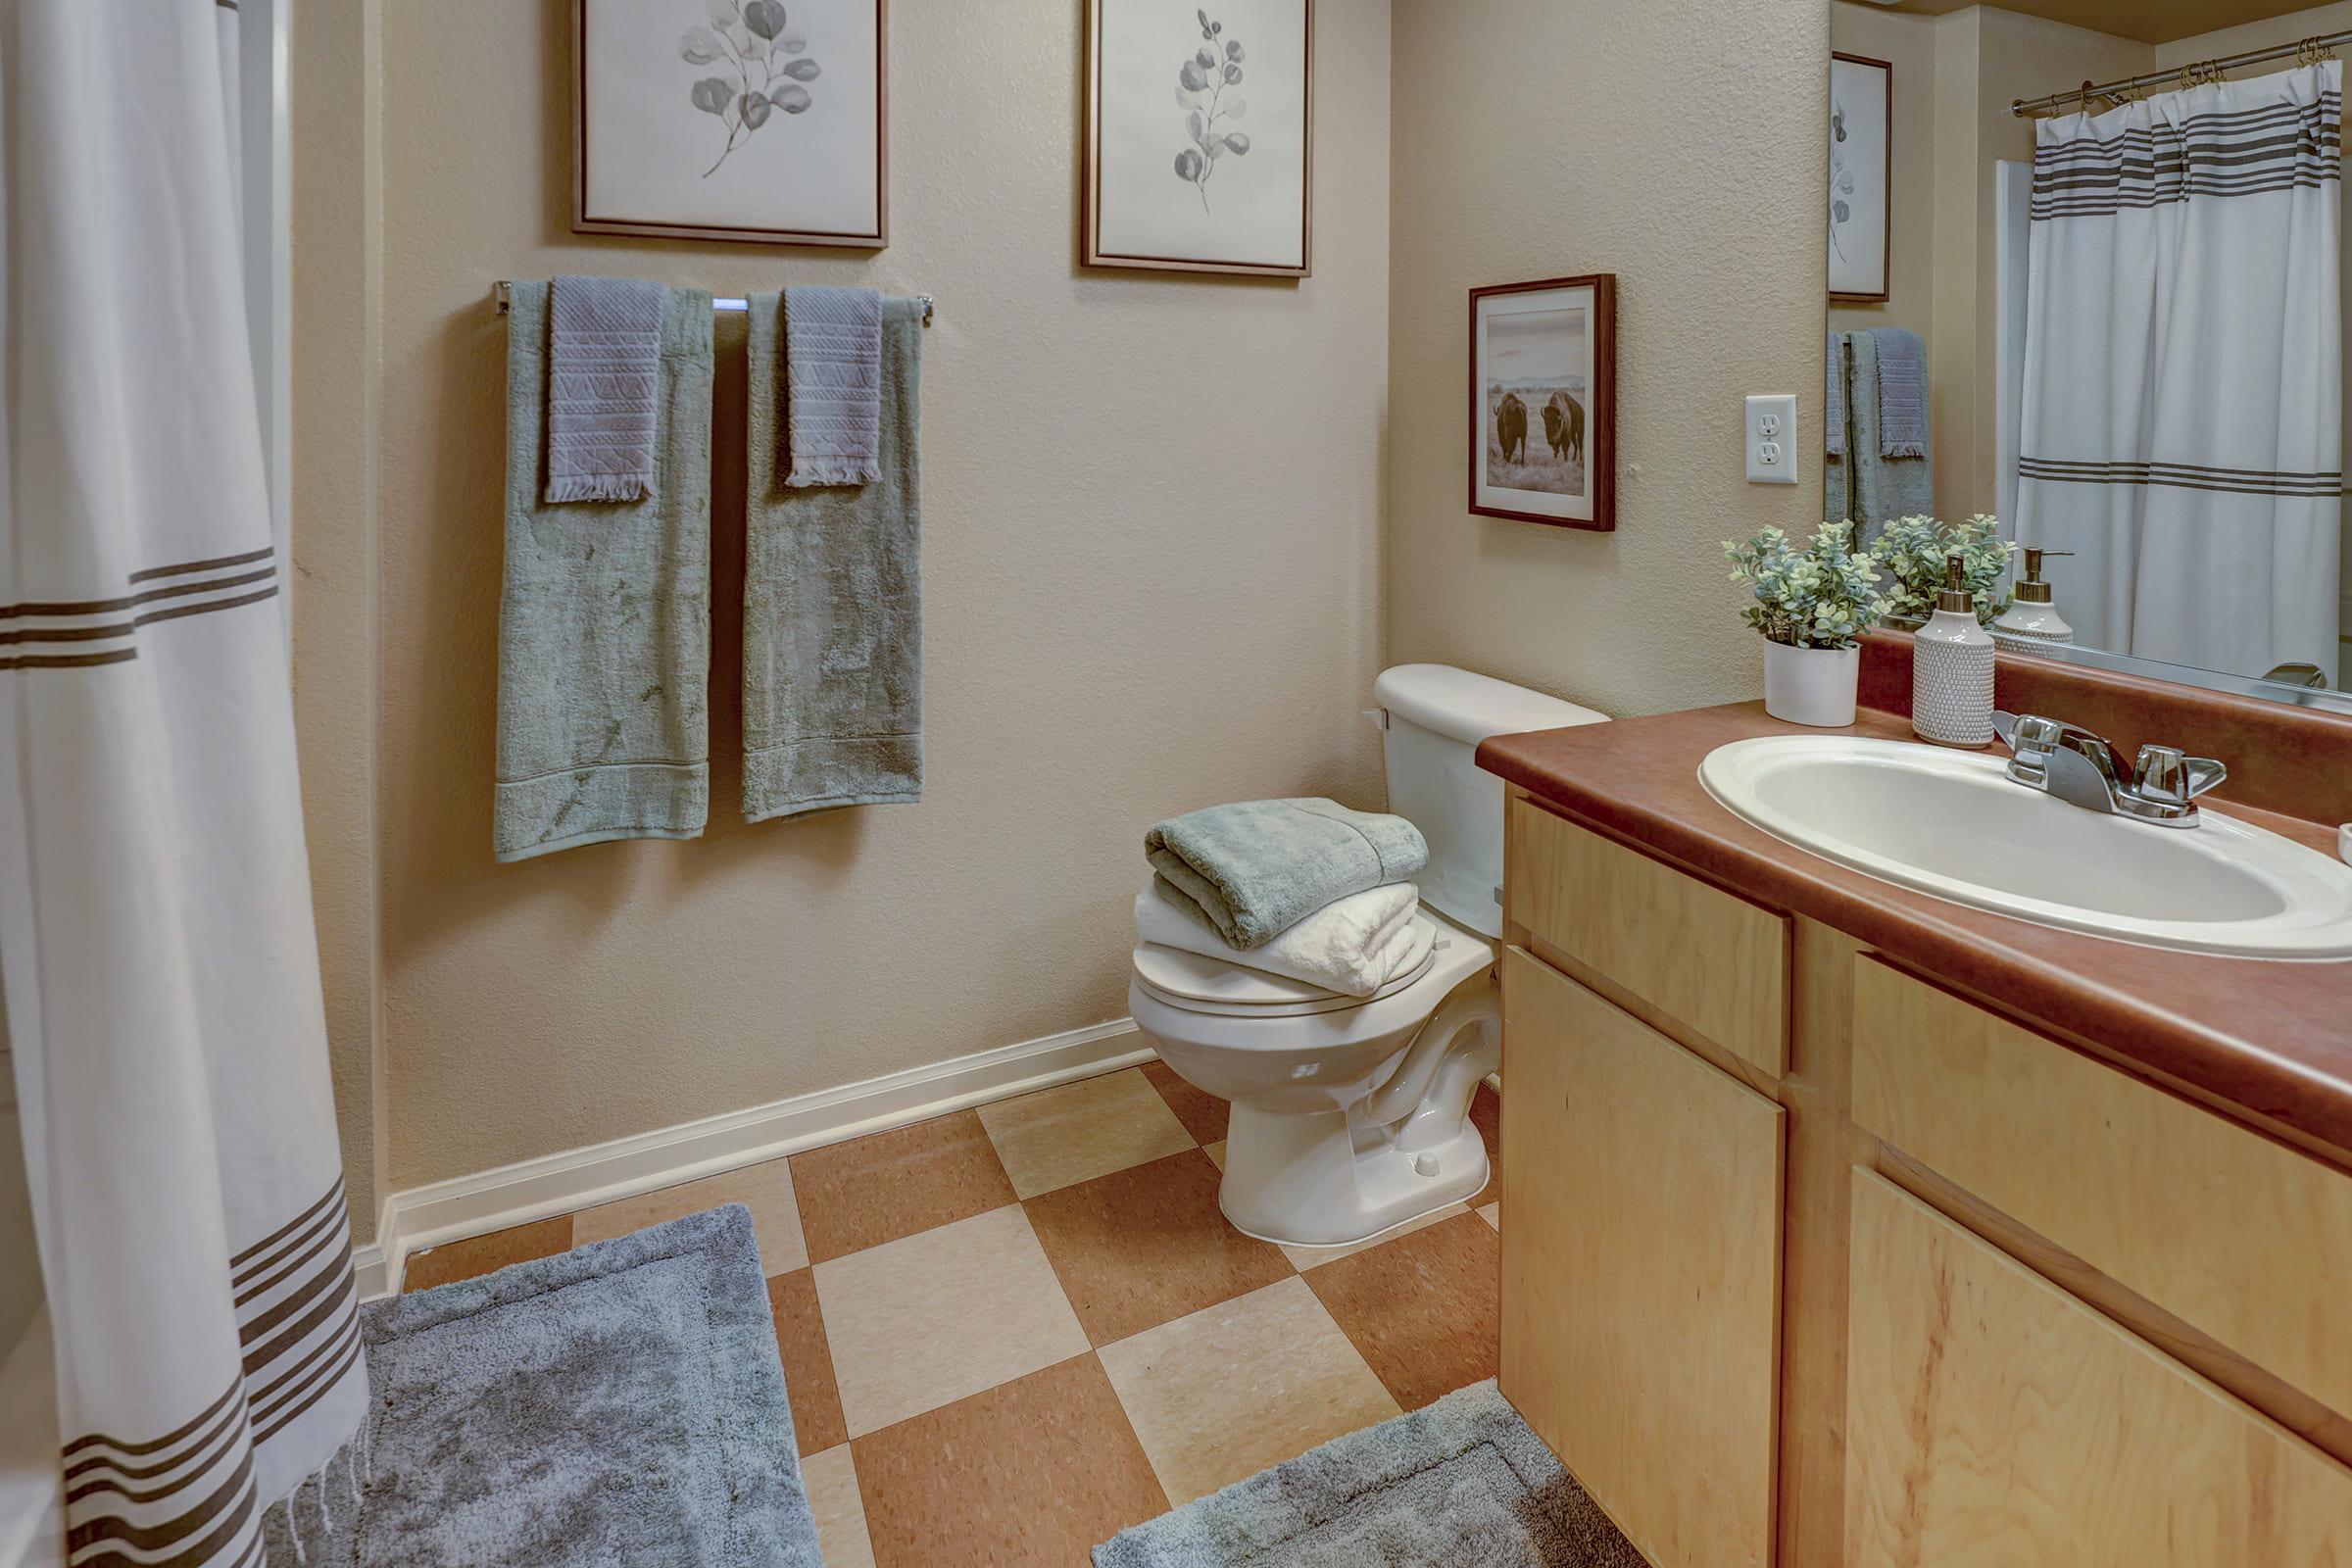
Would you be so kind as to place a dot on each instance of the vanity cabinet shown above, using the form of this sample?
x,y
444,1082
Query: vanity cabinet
x,y
1809,1261
1992,1420
1641,1275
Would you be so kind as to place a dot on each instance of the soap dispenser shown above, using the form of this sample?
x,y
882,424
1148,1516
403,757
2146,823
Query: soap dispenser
x,y
1951,670
2032,617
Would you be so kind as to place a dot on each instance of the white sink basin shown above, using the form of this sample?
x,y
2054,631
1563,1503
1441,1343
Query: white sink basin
x,y
1954,824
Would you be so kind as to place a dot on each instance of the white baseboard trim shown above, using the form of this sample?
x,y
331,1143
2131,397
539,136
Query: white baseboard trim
x,y
580,1178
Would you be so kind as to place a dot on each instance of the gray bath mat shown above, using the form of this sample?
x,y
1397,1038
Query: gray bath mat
x,y
1461,1484
620,1404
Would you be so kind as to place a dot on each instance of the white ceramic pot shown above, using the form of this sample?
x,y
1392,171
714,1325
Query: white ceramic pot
x,y
1811,685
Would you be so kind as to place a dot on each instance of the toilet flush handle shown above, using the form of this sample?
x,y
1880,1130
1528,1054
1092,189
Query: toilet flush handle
x,y
1379,718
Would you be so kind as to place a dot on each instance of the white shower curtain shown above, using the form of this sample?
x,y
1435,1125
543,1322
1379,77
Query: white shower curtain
x,y
157,956
2183,393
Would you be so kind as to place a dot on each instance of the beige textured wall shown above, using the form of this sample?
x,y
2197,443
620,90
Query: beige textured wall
x,y
337,302
1678,144
1152,571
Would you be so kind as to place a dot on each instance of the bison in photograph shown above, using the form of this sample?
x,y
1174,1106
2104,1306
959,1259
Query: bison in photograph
x,y
1564,426
1511,426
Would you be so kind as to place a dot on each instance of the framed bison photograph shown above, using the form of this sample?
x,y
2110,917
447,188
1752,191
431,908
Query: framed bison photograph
x,y
1543,402
1200,119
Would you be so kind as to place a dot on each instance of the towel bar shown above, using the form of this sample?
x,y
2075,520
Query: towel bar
x,y
501,295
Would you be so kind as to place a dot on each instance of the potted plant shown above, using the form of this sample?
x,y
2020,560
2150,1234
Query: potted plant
x,y
1912,549
1812,605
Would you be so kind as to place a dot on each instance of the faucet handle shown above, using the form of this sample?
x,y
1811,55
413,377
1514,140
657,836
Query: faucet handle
x,y
2167,774
2027,733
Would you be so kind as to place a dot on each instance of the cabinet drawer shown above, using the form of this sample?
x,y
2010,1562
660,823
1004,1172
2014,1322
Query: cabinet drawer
x,y
2234,1235
1993,1420
1641,1270
1709,961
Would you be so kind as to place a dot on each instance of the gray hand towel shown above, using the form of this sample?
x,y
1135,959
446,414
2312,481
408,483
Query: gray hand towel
x,y
603,653
1833,399
1883,487
602,389
832,599
1256,869
833,360
1902,392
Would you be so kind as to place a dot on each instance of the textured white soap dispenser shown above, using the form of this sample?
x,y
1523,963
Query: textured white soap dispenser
x,y
2034,617
1951,670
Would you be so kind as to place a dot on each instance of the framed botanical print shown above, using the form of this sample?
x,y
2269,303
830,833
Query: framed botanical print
x,y
1861,178
1543,402
1200,135
732,119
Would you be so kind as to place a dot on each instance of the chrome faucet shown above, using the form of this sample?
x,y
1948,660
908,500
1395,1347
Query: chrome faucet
x,y
2085,769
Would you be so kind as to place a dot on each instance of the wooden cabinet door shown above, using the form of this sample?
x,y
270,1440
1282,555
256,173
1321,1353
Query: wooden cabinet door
x,y
1641,1270
1994,1421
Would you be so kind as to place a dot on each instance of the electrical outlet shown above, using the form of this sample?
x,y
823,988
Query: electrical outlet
x,y
1771,440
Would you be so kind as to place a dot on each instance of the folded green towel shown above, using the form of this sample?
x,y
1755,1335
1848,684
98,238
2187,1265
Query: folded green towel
x,y
1256,868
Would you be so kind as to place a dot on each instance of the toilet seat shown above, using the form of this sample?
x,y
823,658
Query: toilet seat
x,y
1194,982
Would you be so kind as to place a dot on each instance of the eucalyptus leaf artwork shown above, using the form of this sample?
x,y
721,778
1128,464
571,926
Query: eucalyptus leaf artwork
x,y
1861,184
763,68
1201,93
1240,142
713,120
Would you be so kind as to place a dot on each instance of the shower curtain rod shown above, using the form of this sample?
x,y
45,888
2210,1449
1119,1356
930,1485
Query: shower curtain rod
x,y
502,294
2308,50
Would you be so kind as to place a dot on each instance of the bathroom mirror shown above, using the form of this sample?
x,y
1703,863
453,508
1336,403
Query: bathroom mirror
x,y
2107,312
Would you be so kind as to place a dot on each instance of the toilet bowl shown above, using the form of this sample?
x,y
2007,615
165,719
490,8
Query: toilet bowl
x,y
1351,1115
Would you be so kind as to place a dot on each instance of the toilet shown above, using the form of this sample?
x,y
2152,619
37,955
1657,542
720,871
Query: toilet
x,y
1351,1115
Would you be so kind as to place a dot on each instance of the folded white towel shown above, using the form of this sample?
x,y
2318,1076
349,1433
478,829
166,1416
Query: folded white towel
x,y
1353,945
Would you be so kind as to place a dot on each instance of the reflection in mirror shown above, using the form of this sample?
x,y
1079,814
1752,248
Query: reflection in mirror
x,y
2087,273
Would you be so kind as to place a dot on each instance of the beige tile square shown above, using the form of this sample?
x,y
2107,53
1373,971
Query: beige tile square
x,y
1059,1136
840,1509
765,1188
1238,1387
1493,1213
1305,1258
925,1320
1215,1152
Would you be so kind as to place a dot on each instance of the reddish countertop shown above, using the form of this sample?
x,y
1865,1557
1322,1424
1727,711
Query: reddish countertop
x,y
2271,1041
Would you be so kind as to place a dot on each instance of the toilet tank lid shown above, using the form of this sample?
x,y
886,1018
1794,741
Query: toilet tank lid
x,y
1469,707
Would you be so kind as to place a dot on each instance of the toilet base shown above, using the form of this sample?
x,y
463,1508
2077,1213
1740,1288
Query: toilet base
x,y
1307,1180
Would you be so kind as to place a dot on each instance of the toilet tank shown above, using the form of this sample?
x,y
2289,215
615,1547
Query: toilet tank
x,y
1435,716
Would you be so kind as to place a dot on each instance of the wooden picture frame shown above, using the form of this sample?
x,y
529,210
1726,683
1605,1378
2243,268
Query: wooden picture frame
x,y
613,202
1552,349
1129,217
1861,146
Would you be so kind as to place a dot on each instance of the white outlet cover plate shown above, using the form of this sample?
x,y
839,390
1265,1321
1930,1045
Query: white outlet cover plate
x,y
1771,440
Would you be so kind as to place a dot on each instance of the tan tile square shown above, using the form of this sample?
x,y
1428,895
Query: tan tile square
x,y
483,1254
1424,1310
924,1320
1037,1470
840,1509
1241,1386
1140,1246
879,1188
1203,1113
1491,1214
1074,1131
816,1419
765,1188
1307,1257
1216,1152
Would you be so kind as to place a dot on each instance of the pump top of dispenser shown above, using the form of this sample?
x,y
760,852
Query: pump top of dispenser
x,y
2030,589
1955,595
